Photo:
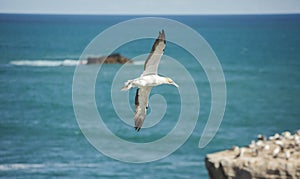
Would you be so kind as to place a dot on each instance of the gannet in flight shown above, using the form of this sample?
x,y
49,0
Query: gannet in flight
x,y
147,80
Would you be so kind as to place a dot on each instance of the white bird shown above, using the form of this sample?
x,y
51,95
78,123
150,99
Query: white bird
x,y
280,143
241,153
287,154
252,145
147,80
287,135
267,147
276,151
259,143
261,137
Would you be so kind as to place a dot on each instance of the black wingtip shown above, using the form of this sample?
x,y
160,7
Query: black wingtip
x,y
137,129
162,35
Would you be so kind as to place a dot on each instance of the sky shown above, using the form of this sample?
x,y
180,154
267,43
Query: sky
x,y
159,7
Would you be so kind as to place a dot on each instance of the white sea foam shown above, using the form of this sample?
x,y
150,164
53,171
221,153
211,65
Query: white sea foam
x,y
138,62
19,166
32,166
48,63
55,63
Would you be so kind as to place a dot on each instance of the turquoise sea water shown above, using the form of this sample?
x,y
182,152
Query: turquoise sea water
x,y
39,135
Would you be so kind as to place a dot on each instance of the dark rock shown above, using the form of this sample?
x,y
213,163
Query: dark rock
x,y
110,59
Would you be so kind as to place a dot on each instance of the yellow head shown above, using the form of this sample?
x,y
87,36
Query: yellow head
x,y
171,82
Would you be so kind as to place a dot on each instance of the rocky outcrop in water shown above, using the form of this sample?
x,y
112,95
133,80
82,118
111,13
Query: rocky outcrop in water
x,y
275,157
113,58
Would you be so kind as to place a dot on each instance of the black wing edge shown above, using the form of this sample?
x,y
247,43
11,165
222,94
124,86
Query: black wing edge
x,y
136,103
161,37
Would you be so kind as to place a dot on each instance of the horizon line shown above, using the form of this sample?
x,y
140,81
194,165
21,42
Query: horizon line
x,y
154,14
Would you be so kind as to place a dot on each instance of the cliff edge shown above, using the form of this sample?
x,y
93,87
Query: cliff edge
x,y
275,157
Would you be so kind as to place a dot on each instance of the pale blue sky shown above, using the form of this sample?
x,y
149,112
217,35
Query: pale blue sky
x,y
150,6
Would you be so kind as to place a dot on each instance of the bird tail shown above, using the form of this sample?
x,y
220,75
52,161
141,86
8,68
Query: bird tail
x,y
127,85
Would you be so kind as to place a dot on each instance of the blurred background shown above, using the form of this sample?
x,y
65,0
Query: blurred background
x,y
257,44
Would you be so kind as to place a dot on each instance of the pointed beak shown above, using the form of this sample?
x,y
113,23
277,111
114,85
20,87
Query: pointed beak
x,y
175,84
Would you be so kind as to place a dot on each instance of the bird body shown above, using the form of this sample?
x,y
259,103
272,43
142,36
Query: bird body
x,y
267,147
148,79
276,151
241,153
287,154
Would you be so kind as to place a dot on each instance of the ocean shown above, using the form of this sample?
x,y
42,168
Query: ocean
x,y
39,133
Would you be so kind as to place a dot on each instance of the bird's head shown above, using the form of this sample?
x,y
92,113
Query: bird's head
x,y
171,82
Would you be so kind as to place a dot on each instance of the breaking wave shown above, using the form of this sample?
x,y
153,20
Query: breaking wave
x,y
55,63
48,63
138,62
31,166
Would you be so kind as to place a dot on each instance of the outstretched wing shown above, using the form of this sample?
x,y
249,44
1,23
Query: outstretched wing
x,y
141,105
151,64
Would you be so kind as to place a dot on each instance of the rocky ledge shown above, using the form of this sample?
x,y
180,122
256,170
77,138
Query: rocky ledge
x,y
275,157
113,58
